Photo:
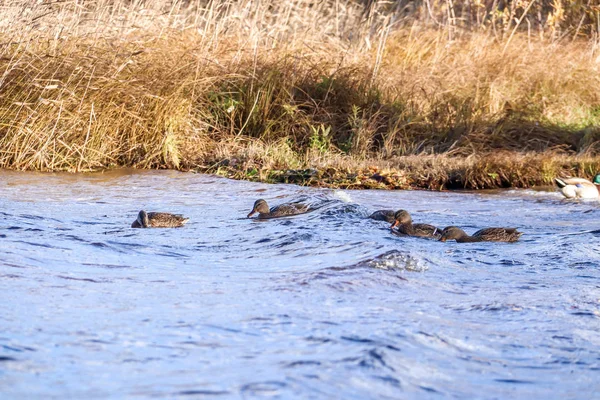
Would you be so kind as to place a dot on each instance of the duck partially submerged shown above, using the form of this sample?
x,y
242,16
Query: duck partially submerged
x,y
579,188
404,225
283,210
482,235
158,220
384,215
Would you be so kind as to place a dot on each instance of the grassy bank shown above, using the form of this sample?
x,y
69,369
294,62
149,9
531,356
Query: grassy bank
x,y
334,94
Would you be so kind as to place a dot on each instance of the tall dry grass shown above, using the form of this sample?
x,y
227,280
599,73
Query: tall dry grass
x,y
276,85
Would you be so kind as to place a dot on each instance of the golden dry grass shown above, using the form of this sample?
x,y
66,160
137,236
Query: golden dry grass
x,y
253,90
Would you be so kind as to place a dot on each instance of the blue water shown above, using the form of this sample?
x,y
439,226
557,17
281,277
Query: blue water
x,y
323,305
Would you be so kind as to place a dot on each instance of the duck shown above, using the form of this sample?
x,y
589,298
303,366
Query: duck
x,y
158,220
403,222
482,235
573,188
383,215
283,210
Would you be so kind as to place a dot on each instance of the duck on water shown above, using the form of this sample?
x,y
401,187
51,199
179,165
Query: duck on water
x,y
384,215
579,188
403,224
283,210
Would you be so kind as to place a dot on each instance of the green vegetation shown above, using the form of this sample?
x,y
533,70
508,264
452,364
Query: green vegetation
x,y
435,95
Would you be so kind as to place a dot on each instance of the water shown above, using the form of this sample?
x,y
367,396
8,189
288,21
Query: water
x,y
323,305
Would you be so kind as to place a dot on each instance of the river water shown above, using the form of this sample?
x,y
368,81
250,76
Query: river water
x,y
324,305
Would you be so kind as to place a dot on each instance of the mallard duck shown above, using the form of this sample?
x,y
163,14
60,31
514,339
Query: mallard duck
x,y
482,235
283,210
158,220
384,215
403,222
581,188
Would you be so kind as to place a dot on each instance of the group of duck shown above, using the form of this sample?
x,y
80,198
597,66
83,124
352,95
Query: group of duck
x,y
402,224
401,221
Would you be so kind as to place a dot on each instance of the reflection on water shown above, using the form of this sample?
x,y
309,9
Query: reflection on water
x,y
326,304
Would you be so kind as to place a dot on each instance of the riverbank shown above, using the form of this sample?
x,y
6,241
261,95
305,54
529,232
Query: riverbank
x,y
349,102
434,172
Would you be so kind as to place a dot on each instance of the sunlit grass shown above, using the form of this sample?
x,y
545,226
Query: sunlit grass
x,y
245,90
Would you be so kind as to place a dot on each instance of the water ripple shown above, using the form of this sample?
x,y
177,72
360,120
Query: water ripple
x,y
328,304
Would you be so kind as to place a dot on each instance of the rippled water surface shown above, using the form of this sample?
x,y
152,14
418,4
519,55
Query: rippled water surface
x,y
324,305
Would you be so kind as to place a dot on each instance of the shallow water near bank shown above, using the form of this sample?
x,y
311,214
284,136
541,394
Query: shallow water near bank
x,y
323,305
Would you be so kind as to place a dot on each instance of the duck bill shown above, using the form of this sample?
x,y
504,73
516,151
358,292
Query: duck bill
x,y
442,239
395,224
251,213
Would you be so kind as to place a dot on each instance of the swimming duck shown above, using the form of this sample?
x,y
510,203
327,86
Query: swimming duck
x,y
384,215
403,221
579,188
283,210
158,220
482,235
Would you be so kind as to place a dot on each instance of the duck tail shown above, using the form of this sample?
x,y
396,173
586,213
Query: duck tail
x,y
560,183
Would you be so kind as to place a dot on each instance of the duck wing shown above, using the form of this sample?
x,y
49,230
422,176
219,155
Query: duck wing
x,y
498,234
426,230
166,220
562,182
420,230
288,209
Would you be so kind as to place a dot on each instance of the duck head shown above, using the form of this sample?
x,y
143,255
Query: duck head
x,y
401,217
260,206
142,219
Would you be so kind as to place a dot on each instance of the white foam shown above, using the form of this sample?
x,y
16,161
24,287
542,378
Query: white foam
x,y
343,196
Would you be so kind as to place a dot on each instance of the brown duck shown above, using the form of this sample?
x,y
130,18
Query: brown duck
x,y
403,222
384,215
482,235
158,220
283,210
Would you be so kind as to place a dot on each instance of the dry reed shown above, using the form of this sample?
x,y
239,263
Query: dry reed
x,y
369,95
